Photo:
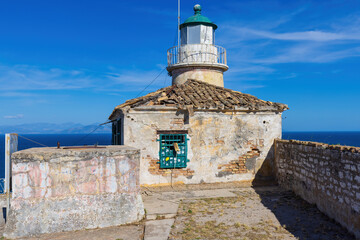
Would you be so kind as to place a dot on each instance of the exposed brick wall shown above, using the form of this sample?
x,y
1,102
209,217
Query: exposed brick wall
x,y
240,165
322,174
177,123
155,169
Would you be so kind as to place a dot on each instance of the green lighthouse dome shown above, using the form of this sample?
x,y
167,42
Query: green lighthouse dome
x,y
198,19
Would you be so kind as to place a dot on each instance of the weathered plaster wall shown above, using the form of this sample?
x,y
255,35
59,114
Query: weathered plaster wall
x,y
325,175
198,53
57,190
209,75
223,147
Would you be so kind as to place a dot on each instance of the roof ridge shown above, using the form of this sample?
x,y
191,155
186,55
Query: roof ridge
x,y
212,85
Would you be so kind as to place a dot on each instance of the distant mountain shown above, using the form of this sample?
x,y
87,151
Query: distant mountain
x,y
53,128
88,129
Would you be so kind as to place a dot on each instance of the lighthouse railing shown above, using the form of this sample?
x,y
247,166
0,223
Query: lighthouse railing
x,y
196,53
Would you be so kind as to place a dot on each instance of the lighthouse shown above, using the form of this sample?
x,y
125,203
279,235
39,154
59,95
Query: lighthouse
x,y
196,130
197,57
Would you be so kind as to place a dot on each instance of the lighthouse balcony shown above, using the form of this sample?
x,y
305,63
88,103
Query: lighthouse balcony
x,y
197,55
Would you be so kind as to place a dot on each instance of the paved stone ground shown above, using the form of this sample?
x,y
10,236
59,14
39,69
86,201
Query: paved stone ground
x,y
260,213
236,213
163,206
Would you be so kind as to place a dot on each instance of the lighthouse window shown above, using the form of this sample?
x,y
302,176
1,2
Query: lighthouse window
x,y
194,34
173,150
213,39
183,36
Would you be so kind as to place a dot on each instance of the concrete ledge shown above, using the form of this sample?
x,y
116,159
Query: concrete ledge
x,y
56,190
74,213
204,186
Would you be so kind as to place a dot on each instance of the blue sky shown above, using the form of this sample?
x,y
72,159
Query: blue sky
x,y
74,61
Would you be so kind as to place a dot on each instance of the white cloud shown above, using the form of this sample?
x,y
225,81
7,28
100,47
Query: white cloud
x,y
137,80
29,81
244,87
250,70
25,77
18,116
311,53
247,76
17,94
318,36
258,43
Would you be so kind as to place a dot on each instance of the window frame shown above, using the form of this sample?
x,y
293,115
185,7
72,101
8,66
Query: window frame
x,y
169,158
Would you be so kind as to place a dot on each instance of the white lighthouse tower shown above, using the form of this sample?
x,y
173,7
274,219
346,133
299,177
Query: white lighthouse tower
x,y
197,57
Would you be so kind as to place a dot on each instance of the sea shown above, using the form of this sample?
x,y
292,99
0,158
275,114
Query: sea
x,y
50,140
336,138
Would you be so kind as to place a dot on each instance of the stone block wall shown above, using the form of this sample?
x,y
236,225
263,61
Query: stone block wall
x,y
322,174
57,190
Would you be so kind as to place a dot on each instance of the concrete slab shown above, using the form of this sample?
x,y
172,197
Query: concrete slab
x,y
214,193
160,216
128,232
165,204
157,206
174,197
158,229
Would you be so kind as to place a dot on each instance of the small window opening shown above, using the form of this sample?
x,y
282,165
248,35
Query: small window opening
x,y
117,132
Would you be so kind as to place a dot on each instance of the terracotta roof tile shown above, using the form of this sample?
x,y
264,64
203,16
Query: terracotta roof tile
x,y
201,95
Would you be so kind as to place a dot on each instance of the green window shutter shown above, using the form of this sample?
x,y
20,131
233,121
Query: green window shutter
x,y
169,157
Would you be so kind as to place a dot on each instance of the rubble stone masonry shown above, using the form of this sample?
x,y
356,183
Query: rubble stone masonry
x,y
57,190
322,174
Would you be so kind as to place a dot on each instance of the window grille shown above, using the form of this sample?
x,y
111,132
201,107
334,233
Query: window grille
x,y
173,151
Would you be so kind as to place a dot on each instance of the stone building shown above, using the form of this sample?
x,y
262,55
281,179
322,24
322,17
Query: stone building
x,y
197,131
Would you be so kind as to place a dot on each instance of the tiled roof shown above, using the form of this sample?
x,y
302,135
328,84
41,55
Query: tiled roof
x,y
200,95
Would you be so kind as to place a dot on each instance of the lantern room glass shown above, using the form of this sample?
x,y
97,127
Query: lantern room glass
x,y
197,34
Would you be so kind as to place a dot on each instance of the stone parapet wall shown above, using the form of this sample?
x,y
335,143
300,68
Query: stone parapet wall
x,y
57,190
322,174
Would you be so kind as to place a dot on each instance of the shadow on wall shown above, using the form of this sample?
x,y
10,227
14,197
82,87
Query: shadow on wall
x,y
297,216
265,174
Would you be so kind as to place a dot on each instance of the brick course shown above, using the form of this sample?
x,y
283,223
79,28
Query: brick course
x,y
238,166
155,169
